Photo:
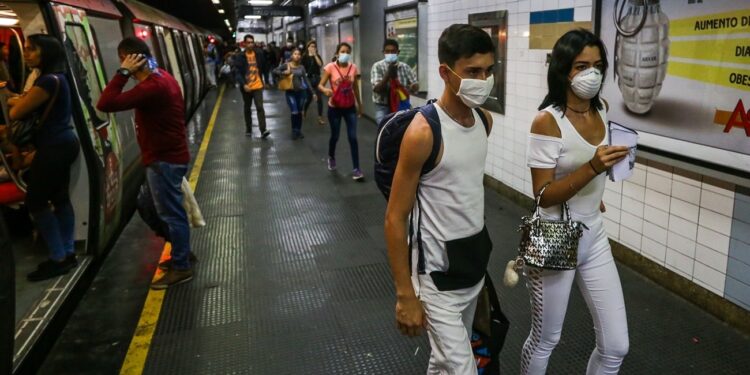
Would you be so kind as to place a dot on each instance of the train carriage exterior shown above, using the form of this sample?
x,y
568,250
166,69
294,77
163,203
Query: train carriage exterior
x,y
108,172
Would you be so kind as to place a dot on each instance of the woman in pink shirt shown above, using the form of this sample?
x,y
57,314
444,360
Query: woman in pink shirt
x,y
343,94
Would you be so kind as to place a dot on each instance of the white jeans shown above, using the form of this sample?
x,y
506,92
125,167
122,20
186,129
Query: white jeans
x,y
599,282
450,316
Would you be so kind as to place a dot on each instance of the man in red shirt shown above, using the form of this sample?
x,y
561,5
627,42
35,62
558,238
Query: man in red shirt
x,y
161,133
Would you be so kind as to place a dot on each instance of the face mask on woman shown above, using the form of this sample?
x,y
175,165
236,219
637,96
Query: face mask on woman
x,y
344,58
587,83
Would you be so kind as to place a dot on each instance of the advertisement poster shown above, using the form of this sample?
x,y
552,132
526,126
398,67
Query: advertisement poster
x,y
679,74
404,31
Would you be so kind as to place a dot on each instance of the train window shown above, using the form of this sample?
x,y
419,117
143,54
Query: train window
x,y
78,47
173,61
163,58
402,26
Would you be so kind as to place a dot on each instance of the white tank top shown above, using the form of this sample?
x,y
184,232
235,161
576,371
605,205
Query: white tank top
x,y
575,152
451,196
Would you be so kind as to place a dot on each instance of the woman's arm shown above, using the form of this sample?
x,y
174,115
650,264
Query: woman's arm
x,y
322,85
26,104
356,96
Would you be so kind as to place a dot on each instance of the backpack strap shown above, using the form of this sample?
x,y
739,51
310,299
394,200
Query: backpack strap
x,y
482,117
431,115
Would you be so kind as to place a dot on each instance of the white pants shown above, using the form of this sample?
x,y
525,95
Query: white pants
x,y
599,282
450,316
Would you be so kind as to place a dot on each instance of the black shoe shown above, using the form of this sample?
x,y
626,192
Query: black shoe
x,y
265,134
167,264
301,136
71,260
49,269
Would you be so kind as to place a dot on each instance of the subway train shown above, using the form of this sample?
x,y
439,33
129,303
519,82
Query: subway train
x,y
107,174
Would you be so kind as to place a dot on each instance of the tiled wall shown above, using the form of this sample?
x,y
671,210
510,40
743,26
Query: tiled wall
x,y
693,225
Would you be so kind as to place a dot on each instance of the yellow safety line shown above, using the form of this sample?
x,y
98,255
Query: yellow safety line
x,y
135,360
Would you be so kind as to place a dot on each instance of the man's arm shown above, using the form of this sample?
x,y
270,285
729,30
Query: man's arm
x,y
114,100
378,79
415,149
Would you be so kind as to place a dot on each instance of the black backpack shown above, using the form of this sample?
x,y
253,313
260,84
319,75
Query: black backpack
x,y
391,132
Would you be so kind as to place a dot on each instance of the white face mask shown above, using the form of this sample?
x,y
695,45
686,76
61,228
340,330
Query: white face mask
x,y
587,83
391,57
344,58
474,92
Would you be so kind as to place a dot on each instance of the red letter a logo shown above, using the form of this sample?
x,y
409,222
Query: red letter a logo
x,y
739,118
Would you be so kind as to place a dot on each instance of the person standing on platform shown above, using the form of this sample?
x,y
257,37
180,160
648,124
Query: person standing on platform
x,y
296,95
250,65
344,93
286,51
568,155
432,292
162,137
385,74
313,63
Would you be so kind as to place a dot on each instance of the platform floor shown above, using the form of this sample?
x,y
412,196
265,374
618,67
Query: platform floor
x,y
293,278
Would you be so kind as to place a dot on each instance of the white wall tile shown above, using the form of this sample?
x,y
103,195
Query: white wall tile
x,y
632,206
682,244
685,210
719,190
612,228
612,199
682,227
551,4
639,176
657,200
655,233
631,221
711,258
582,14
709,277
656,216
687,193
655,181
715,221
654,250
717,202
680,263
634,191
713,240
613,213
630,238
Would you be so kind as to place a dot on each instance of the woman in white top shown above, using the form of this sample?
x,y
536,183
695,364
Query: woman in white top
x,y
568,152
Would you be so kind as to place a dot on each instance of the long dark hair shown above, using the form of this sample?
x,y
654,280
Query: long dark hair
x,y
338,48
52,53
570,45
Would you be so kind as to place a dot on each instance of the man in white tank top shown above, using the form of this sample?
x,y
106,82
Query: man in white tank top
x,y
437,280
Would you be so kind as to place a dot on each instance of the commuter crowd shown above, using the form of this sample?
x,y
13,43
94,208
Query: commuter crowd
x,y
438,243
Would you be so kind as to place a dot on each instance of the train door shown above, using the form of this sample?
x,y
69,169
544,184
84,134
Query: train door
x,y
162,50
173,61
187,71
196,64
89,80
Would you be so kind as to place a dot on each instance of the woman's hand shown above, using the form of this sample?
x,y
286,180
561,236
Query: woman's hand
x,y
359,111
327,92
315,97
607,156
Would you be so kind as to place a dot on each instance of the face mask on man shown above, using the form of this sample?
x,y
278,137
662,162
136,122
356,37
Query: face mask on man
x,y
474,92
344,58
587,83
391,58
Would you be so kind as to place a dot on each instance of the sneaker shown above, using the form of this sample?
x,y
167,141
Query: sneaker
x,y
265,134
167,264
49,269
357,174
331,164
321,121
172,277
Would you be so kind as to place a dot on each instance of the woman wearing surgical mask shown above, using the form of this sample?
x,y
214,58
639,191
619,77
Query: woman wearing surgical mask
x,y
568,155
343,94
313,63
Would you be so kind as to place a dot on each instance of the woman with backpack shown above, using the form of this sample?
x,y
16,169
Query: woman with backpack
x,y
57,149
344,94
296,90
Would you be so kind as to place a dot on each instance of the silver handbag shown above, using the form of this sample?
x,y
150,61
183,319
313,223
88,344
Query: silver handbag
x,y
549,244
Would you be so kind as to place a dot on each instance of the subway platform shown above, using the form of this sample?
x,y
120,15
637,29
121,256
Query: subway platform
x,y
293,278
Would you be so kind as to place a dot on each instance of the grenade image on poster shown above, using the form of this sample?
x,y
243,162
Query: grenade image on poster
x,y
641,52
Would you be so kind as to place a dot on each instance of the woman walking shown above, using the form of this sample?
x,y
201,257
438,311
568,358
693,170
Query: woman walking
x,y
296,95
568,155
313,63
57,148
344,93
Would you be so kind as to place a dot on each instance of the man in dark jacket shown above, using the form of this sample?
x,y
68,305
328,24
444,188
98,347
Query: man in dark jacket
x,y
250,67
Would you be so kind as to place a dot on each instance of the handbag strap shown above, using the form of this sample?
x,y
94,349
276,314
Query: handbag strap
x,y
50,103
565,207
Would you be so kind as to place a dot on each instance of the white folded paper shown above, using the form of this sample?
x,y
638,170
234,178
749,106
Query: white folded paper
x,y
622,136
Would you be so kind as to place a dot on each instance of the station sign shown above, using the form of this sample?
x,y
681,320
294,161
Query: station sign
x,y
272,11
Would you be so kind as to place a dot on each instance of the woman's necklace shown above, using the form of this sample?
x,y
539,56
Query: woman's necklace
x,y
580,112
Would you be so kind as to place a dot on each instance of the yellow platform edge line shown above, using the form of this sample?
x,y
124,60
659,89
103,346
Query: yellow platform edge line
x,y
139,347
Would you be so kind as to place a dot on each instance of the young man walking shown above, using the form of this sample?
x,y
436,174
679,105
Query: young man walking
x,y
386,70
439,278
250,66
162,137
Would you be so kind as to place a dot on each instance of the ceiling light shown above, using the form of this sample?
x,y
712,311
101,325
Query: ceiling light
x,y
221,11
216,1
8,21
260,2
251,17
226,21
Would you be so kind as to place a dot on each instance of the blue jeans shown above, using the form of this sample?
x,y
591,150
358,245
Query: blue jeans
x,y
165,181
381,111
350,116
296,102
